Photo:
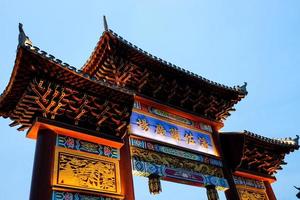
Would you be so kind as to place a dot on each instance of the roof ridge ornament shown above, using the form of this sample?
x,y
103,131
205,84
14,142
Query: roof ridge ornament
x,y
289,141
296,140
105,23
23,38
243,88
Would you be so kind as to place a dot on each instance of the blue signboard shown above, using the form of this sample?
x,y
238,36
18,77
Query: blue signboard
x,y
167,132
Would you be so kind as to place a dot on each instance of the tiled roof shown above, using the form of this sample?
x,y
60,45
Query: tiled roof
x,y
281,141
7,97
240,89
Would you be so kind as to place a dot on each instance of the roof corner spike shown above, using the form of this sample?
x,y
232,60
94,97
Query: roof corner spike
x,y
243,88
23,39
296,140
105,23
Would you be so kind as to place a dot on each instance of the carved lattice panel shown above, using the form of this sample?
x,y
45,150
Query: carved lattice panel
x,y
61,103
80,170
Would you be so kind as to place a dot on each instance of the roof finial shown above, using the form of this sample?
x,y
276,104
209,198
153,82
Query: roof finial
x,y
243,88
105,23
23,39
296,140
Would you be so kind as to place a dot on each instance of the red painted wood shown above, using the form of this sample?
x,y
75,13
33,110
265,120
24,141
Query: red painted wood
x,y
231,193
126,171
269,191
43,164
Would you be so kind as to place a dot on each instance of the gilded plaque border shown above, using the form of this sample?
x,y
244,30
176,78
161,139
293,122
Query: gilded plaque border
x,y
145,125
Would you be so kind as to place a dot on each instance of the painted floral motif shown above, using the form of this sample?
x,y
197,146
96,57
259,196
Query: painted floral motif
x,y
89,147
57,195
107,150
68,196
70,142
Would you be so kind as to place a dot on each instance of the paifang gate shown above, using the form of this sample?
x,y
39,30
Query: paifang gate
x,y
126,111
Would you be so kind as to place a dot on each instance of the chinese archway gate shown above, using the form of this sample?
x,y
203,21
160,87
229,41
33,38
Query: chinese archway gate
x,y
128,111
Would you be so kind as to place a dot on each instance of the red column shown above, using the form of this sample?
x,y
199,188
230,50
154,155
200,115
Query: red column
x,y
126,170
231,193
42,168
269,191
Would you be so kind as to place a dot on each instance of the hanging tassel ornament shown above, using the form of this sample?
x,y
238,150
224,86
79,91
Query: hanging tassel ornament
x,y
154,184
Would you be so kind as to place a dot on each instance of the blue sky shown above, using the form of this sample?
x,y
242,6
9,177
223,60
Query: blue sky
x,y
225,41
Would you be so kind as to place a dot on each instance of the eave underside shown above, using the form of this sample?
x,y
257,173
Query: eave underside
x,y
41,86
121,63
255,153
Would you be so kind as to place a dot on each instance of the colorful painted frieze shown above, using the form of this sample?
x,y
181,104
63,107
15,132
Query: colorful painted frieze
x,y
172,161
89,147
174,152
171,116
58,195
141,168
160,130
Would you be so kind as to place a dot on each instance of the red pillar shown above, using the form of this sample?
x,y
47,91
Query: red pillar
x,y
231,193
126,170
269,191
42,168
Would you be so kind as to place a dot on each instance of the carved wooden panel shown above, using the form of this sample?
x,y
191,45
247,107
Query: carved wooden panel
x,y
246,194
250,189
80,170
